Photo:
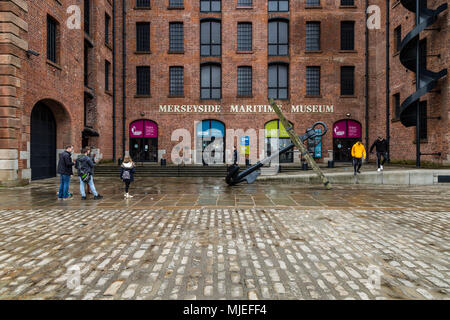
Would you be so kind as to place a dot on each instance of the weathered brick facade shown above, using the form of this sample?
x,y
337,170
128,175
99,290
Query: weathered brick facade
x,y
27,79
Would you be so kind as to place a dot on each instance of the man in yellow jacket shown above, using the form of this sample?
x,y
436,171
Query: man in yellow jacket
x,y
358,153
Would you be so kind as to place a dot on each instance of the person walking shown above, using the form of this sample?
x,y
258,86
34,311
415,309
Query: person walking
x,y
85,168
235,156
127,171
381,147
358,153
65,165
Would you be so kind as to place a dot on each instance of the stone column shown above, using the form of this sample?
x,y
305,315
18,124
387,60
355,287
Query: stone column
x,y
12,50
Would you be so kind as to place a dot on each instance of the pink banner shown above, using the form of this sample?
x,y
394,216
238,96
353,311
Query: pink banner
x,y
354,129
137,129
340,129
151,129
347,129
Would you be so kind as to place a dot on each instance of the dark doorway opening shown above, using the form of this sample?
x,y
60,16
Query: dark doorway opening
x,y
43,143
144,149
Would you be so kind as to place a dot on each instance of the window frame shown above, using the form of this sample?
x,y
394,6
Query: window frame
x,y
278,87
176,90
52,42
241,24
172,40
210,21
210,87
245,93
138,35
309,23
342,35
139,85
210,5
313,94
278,6
278,44
347,81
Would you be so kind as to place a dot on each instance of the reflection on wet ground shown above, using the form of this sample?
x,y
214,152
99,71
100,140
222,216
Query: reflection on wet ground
x,y
214,192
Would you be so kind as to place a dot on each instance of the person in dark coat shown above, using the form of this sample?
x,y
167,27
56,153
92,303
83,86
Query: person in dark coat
x,y
85,166
65,165
127,171
381,147
235,156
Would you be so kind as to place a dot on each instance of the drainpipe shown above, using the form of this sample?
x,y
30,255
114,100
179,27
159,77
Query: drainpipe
x,y
367,80
388,90
114,80
124,75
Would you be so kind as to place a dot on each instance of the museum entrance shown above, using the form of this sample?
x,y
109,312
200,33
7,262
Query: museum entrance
x,y
274,131
43,142
144,141
345,134
211,132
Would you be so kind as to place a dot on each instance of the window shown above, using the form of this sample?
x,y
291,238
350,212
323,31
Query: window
x,y
87,16
244,81
423,120
52,46
278,81
143,36
397,38
347,2
312,36
312,81
244,3
347,81
176,81
107,73
210,38
348,35
143,3
143,81
278,5
210,5
211,81
397,105
278,38
313,3
176,3
107,27
244,36
176,37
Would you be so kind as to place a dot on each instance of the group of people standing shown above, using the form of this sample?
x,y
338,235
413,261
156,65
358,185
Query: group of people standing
x,y
359,153
85,165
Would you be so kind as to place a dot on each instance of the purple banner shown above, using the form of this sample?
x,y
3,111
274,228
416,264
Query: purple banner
x,y
151,129
354,129
137,129
347,129
340,129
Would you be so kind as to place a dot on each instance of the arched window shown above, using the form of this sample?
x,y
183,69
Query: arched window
x,y
211,81
278,81
278,37
210,37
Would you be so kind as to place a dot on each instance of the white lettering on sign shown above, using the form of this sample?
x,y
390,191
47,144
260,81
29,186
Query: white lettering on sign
x,y
234,108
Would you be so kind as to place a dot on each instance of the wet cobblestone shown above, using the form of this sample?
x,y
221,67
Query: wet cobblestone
x,y
232,253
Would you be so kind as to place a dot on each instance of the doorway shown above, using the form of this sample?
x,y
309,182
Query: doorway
x,y
208,131
345,134
43,143
144,141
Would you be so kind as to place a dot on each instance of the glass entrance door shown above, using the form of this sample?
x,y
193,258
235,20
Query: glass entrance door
x,y
144,149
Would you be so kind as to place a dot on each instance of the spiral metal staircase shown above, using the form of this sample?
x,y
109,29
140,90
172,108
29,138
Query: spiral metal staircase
x,y
409,56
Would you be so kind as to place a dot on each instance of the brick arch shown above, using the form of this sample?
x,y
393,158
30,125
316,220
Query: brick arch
x,y
63,121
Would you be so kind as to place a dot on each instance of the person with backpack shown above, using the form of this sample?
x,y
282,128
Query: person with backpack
x,y
85,168
65,165
381,147
358,153
126,174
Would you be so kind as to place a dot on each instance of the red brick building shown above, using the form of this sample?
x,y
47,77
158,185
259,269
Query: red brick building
x,y
204,66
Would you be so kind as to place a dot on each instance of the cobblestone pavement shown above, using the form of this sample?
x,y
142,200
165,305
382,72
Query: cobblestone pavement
x,y
307,243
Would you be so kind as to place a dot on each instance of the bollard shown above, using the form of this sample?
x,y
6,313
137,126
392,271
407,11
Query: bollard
x,y
330,164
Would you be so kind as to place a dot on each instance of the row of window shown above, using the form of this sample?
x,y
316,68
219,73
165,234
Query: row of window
x,y
216,5
211,81
211,37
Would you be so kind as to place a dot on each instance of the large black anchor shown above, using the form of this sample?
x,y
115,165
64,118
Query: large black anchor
x,y
234,176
